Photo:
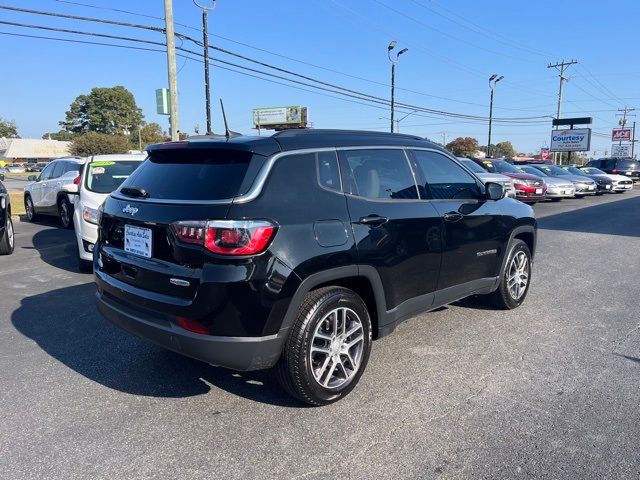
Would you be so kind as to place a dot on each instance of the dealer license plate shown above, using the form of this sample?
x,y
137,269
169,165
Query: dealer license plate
x,y
607,187
591,187
629,173
137,240
538,191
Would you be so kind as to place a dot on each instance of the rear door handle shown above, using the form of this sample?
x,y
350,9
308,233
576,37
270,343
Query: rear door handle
x,y
373,220
452,217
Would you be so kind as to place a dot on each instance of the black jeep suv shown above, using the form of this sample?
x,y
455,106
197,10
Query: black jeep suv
x,y
296,250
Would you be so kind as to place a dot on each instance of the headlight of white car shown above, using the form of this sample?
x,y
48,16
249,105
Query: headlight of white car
x,y
90,215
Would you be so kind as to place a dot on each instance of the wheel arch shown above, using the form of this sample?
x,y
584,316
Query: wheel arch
x,y
363,281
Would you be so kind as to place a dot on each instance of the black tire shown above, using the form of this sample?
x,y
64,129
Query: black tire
x,y
30,210
7,242
502,297
294,370
65,211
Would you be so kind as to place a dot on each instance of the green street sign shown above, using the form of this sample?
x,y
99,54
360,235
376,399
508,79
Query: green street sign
x,y
162,101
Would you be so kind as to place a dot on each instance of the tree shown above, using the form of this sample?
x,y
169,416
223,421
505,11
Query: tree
x,y
105,110
503,149
463,146
150,133
94,143
8,129
61,135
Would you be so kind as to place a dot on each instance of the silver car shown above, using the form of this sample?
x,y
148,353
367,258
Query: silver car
x,y
485,176
557,187
583,185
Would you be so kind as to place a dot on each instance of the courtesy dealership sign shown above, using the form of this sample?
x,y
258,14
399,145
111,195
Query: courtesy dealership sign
x,y
571,140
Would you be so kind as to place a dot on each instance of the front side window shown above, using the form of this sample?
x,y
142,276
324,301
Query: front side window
x,y
444,178
46,171
378,174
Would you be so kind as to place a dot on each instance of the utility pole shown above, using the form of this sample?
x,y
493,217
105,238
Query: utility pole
x,y
625,113
205,43
562,66
633,141
171,69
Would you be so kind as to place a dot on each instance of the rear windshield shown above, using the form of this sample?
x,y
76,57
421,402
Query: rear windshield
x,y
627,164
107,176
193,174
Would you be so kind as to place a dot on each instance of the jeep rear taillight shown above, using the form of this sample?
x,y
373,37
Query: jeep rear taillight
x,y
227,237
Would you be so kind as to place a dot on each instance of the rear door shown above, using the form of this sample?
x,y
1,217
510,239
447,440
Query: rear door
x,y
395,232
474,234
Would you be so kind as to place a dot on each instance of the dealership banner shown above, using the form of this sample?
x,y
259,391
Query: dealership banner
x,y
571,140
620,151
621,135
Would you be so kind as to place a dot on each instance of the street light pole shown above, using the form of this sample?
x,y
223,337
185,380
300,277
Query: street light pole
x,y
205,42
393,61
398,121
493,79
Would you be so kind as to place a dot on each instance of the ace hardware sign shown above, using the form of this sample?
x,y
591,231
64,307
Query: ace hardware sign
x,y
621,135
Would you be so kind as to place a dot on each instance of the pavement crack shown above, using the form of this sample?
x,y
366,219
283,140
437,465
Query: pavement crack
x,y
624,338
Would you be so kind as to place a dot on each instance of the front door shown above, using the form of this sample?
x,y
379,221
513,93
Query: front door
x,y
474,232
37,188
396,233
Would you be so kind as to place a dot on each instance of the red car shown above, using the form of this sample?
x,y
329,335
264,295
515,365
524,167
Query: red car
x,y
529,188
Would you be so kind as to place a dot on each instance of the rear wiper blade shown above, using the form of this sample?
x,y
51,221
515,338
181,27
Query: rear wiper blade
x,y
136,192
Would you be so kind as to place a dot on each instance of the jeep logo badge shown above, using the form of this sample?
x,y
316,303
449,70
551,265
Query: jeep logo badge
x,y
130,210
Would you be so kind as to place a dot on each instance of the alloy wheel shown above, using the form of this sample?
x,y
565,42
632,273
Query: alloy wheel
x,y
337,347
518,275
10,236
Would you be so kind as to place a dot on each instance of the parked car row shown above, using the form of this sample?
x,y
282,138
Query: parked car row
x,y
535,182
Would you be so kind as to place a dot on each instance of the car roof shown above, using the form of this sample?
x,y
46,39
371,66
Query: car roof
x,y
78,160
117,157
297,139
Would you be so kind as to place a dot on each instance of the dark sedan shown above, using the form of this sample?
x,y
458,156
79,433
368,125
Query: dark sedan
x,y
603,183
6,225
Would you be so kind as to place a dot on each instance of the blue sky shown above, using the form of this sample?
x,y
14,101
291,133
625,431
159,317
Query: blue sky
x,y
453,48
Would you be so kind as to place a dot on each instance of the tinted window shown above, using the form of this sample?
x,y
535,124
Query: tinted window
x,y
499,166
58,169
46,172
627,165
328,171
383,174
445,179
70,167
193,174
471,165
107,176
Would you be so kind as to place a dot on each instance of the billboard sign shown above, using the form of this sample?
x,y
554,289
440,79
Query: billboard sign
x,y
289,116
544,153
621,135
621,151
571,140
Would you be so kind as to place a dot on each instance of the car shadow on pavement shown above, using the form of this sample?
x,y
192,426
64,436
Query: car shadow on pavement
x,y
66,324
57,246
621,217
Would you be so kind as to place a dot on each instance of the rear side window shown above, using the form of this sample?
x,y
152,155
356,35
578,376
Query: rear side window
x,y
328,171
58,169
445,179
627,165
378,174
194,174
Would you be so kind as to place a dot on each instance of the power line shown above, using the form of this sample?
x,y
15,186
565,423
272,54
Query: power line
x,y
342,90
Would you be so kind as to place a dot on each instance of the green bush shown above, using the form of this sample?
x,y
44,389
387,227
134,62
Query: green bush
x,y
94,143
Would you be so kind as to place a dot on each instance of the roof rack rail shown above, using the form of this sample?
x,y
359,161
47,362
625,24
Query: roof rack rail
x,y
294,132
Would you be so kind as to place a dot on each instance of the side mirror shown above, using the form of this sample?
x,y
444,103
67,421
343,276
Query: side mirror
x,y
71,188
494,191
32,178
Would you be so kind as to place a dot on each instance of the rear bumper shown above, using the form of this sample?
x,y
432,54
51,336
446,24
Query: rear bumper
x,y
237,353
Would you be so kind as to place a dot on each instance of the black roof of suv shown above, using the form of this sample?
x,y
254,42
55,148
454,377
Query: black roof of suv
x,y
295,250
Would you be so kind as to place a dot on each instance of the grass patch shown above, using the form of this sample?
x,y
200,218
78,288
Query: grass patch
x,y
17,202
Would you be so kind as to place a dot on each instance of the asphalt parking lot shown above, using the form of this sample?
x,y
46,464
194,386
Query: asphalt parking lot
x,y
550,390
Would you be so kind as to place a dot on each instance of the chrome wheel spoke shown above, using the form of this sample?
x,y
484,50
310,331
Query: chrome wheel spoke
x,y
336,348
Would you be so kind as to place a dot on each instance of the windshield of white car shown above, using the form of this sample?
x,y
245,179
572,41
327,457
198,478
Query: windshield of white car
x,y
592,171
107,176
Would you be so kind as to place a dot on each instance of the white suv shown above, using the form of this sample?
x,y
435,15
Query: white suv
x,y
99,176
45,196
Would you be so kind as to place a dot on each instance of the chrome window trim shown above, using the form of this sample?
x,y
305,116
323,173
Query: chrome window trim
x,y
263,175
